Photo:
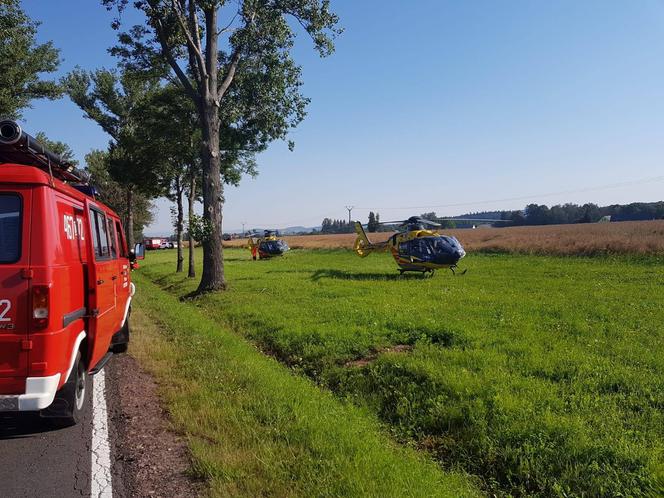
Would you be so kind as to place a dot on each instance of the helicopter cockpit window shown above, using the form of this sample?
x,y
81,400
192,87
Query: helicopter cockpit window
x,y
274,246
419,248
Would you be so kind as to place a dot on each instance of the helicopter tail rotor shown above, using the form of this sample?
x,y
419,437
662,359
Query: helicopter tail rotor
x,y
363,246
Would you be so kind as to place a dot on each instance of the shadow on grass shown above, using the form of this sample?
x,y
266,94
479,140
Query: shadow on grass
x,y
343,275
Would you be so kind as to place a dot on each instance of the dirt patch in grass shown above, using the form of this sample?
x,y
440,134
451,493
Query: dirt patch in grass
x,y
150,460
368,360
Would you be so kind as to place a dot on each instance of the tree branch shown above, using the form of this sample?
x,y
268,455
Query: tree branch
x,y
195,46
228,79
228,26
211,56
191,91
193,21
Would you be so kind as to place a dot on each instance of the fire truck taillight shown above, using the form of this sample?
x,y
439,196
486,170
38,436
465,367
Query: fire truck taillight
x,y
40,306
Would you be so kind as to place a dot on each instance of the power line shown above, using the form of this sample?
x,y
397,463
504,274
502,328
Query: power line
x,y
526,197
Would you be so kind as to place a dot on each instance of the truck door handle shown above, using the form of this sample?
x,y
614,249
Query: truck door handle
x,y
114,277
99,282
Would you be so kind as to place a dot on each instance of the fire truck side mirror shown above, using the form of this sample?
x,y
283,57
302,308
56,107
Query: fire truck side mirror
x,y
138,252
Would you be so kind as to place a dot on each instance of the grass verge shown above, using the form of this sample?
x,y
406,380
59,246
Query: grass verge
x,y
543,375
255,429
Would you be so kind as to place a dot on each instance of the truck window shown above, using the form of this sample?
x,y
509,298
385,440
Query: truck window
x,y
99,235
10,228
111,239
121,242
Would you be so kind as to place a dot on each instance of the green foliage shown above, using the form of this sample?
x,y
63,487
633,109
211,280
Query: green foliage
x,y
541,214
199,228
114,195
329,225
113,101
374,222
256,430
23,61
542,375
262,101
60,148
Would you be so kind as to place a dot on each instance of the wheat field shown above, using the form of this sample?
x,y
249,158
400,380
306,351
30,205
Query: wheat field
x,y
629,237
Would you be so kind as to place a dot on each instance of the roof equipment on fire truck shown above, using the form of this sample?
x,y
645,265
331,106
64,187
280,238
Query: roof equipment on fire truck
x,y
16,146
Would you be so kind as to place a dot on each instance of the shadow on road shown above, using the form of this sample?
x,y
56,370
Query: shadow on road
x,y
14,426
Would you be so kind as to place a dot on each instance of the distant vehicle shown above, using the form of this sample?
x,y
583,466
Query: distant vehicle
x,y
152,244
172,245
268,245
65,281
165,244
227,236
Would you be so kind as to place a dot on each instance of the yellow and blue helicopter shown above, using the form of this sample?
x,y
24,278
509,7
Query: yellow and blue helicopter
x,y
417,248
268,245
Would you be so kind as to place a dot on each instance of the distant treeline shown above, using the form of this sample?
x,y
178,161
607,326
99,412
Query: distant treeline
x,y
342,226
540,214
533,214
560,214
336,226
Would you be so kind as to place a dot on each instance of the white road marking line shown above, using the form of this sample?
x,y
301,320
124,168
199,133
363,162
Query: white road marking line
x,y
100,476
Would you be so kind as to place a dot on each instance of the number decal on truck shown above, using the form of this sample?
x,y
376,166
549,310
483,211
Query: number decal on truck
x,y
5,306
73,227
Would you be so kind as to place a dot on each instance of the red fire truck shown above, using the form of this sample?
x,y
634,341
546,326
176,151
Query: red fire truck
x,y
65,281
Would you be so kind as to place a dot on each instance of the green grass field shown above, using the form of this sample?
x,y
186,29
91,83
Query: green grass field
x,y
541,375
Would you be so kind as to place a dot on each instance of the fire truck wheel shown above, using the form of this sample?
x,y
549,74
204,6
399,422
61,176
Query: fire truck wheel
x,y
69,403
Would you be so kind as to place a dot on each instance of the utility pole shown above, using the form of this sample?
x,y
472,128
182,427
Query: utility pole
x,y
243,224
350,220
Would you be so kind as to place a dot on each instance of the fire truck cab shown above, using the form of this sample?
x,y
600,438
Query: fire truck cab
x,y
65,281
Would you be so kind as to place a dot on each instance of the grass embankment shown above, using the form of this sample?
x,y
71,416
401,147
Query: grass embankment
x,y
255,429
542,375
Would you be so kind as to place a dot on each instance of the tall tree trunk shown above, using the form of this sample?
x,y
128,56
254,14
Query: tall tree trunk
x,y
179,191
130,218
191,199
212,278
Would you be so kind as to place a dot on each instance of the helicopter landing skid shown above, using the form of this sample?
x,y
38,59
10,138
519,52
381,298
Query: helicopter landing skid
x,y
453,268
423,272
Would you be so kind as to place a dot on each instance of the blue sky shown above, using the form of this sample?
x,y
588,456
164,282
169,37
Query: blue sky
x,y
461,105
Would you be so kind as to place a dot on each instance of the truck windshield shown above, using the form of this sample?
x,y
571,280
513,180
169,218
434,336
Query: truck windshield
x,y
10,228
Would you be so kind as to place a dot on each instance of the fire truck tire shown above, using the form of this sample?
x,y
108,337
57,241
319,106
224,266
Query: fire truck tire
x,y
69,404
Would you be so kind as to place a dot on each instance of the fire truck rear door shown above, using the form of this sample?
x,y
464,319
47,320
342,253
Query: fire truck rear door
x,y
15,210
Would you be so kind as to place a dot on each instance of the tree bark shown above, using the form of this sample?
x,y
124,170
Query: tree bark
x,y
212,278
179,191
130,218
191,199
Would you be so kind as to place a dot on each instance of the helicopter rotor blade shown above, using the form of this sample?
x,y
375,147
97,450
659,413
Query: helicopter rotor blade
x,y
414,219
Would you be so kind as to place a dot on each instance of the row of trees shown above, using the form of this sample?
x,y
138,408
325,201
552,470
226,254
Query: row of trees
x,y
374,222
329,225
540,214
200,89
336,226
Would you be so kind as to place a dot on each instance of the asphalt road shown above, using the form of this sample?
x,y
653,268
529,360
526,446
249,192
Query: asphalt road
x,y
120,449
39,461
